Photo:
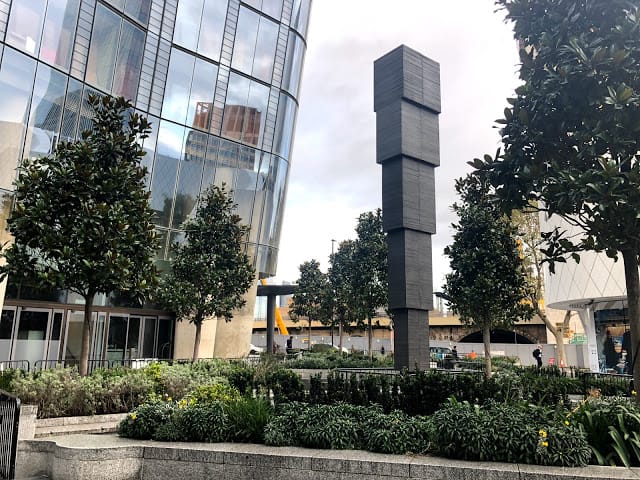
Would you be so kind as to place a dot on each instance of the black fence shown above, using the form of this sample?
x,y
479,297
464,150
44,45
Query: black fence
x,y
9,420
15,365
608,384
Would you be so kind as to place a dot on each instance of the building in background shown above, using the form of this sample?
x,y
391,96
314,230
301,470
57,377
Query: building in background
x,y
218,79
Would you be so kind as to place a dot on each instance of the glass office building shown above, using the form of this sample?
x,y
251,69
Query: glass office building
x,y
218,79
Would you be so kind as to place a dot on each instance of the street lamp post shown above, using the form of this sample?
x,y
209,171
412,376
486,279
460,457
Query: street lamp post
x,y
333,306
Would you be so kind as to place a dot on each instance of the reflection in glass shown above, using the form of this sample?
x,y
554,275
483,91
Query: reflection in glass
x,y
201,95
133,337
287,109
162,236
46,112
31,336
293,64
176,238
212,28
165,169
86,112
187,26
129,62
274,202
73,344
190,176
59,32
149,146
176,94
255,45
139,10
71,111
16,79
25,25
165,338
300,16
54,344
103,48
261,192
245,110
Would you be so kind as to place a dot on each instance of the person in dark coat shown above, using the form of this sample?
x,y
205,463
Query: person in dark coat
x,y
537,354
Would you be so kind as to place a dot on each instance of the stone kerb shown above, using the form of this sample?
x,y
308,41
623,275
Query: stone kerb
x,y
109,457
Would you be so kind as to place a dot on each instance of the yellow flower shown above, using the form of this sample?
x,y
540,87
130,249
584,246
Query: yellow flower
x,y
133,416
545,444
168,399
566,422
634,393
543,433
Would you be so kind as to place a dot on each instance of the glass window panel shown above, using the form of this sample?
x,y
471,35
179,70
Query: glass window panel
x,y
98,345
176,94
103,48
54,344
274,202
187,26
245,185
228,153
257,4
255,114
262,188
165,338
86,112
25,25
210,163
117,337
162,236
287,110
245,42
175,238
119,4
272,8
133,338
265,50
71,111
235,107
31,339
47,105
293,64
59,32
138,10
165,169
300,16
129,61
74,338
213,19
149,146
190,177
6,324
225,176
149,337
201,96
16,81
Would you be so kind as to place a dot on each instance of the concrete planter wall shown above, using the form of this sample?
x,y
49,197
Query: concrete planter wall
x,y
32,427
108,457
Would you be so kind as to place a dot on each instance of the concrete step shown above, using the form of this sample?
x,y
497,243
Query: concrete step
x,y
107,427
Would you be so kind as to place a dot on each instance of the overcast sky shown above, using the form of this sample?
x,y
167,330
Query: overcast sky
x,y
334,176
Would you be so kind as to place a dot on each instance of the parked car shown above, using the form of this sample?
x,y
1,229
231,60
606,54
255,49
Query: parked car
x,y
253,350
440,353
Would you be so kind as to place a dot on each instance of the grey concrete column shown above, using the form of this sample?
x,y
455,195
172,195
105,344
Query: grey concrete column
x,y
271,321
407,104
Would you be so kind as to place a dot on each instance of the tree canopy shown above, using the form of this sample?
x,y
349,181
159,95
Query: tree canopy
x,y
210,270
310,297
487,283
82,219
571,134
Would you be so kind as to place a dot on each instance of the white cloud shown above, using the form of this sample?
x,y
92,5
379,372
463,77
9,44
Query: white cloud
x,y
333,175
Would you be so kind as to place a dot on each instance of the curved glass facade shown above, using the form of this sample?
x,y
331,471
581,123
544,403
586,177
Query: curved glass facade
x,y
218,79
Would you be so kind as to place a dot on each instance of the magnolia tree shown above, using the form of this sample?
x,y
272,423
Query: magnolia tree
x,y
210,271
310,297
82,219
571,134
487,283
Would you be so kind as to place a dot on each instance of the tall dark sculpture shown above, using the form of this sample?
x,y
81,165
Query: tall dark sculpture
x,y
407,105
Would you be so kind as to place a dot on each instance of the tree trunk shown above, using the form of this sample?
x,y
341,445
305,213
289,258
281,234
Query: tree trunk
x,y
83,368
633,304
561,361
340,336
370,338
486,339
309,344
196,343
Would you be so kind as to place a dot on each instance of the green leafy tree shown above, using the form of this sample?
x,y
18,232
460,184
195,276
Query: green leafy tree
x,y
309,299
210,271
340,290
369,284
531,244
571,135
487,283
82,219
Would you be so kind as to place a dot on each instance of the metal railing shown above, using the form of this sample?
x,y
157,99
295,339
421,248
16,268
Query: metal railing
x,y
15,365
9,421
608,384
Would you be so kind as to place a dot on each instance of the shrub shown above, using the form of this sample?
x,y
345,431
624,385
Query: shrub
x,y
146,419
516,433
609,425
212,393
247,419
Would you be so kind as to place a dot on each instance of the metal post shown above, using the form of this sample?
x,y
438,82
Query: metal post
x,y
271,321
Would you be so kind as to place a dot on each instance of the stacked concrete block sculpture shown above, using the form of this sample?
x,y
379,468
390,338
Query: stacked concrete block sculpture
x,y
407,105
